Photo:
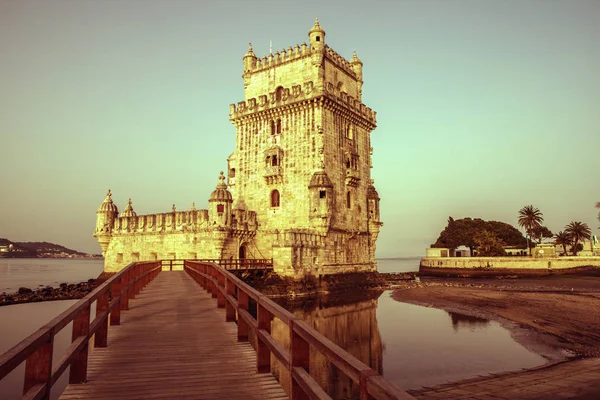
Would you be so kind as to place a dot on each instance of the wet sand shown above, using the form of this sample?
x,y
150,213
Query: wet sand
x,y
558,316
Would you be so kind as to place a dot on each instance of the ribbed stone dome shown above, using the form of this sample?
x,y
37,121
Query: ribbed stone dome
x,y
372,193
316,28
108,205
221,193
320,179
128,211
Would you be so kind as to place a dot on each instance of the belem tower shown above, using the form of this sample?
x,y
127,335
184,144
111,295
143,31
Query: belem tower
x,y
298,186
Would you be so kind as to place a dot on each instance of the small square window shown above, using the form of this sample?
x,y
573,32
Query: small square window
x,y
318,38
322,194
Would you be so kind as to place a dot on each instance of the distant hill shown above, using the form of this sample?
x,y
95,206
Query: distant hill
x,y
9,249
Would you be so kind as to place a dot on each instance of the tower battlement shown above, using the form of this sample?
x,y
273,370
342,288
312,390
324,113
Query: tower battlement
x,y
287,96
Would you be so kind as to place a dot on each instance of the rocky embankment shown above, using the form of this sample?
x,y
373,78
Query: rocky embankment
x,y
274,285
64,292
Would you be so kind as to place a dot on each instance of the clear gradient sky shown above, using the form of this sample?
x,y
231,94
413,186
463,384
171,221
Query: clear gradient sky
x,y
483,107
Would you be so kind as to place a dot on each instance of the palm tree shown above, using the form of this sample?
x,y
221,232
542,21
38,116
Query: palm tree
x,y
530,218
563,239
577,231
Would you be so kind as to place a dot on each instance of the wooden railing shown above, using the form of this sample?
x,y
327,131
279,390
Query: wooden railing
x,y
234,295
243,264
111,298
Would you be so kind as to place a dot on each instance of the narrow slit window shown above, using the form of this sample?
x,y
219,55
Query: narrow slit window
x,y
275,198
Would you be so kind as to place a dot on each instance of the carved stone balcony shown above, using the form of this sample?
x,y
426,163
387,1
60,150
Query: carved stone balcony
x,y
352,177
274,174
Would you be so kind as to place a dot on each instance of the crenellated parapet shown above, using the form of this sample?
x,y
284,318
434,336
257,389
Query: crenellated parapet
x,y
255,64
170,222
299,238
294,96
339,61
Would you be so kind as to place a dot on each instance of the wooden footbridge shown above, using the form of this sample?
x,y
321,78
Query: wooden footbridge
x,y
169,339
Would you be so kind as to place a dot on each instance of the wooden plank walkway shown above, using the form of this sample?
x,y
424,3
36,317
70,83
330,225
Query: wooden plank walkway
x,y
174,343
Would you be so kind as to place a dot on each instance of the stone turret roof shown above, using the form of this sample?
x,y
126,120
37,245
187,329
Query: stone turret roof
x,y
320,179
316,27
128,212
221,193
372,193
108,205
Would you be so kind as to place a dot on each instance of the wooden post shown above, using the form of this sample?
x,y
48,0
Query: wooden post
x,y
263,355
125,296
81,327
101,336
242,324
229,310
300,357
115,314
38,367
362,384
220,285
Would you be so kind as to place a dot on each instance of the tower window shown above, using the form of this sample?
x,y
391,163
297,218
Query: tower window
x,y
220,208
275,198
348,200
318,38
278,128
232,172
274,161
272,127
322,194
278,93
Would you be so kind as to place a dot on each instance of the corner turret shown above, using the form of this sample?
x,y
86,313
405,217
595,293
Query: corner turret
x,y
250,61
321,200
219,205
105,221
317,37
357,67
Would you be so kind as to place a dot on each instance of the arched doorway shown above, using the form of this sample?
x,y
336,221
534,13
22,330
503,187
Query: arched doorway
x,y
242,253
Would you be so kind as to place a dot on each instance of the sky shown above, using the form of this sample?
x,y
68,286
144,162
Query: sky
x,y
483,107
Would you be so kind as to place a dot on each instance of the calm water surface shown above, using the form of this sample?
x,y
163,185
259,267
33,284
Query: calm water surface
x,y
412,346
401,264
34,272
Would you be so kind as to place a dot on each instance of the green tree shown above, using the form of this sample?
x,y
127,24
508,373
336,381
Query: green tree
x,y
577,231
488,244
563,239
540,232
462,232
530,218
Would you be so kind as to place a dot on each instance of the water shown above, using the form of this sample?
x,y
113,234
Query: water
x,y
401,264
34,272
18,322
411,346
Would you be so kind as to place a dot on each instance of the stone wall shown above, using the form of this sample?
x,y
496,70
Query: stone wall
x,y
473,266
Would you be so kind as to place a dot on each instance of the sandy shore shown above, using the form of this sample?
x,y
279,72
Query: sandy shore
x,y
558,317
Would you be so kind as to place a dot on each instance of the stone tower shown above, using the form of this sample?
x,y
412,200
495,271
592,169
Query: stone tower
x,y
303,157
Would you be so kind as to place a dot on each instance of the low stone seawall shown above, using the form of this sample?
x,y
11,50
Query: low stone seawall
x,y
502,266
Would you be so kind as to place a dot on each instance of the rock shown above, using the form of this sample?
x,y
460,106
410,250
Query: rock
x,y
24,290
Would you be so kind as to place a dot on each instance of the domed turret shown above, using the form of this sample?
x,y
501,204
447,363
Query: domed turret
x,y
357,67
108,205
321,180
321,200
372,193
128,212
221,194
105,221
249,60
316,36
219,204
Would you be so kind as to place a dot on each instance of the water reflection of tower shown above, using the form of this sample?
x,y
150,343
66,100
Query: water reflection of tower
x,y
467,321
352,325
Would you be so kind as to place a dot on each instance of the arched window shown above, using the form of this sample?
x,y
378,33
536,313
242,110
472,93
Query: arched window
x,y
272,127
278,93
220,208
275,198
278,129
349,132
274,161
348,199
